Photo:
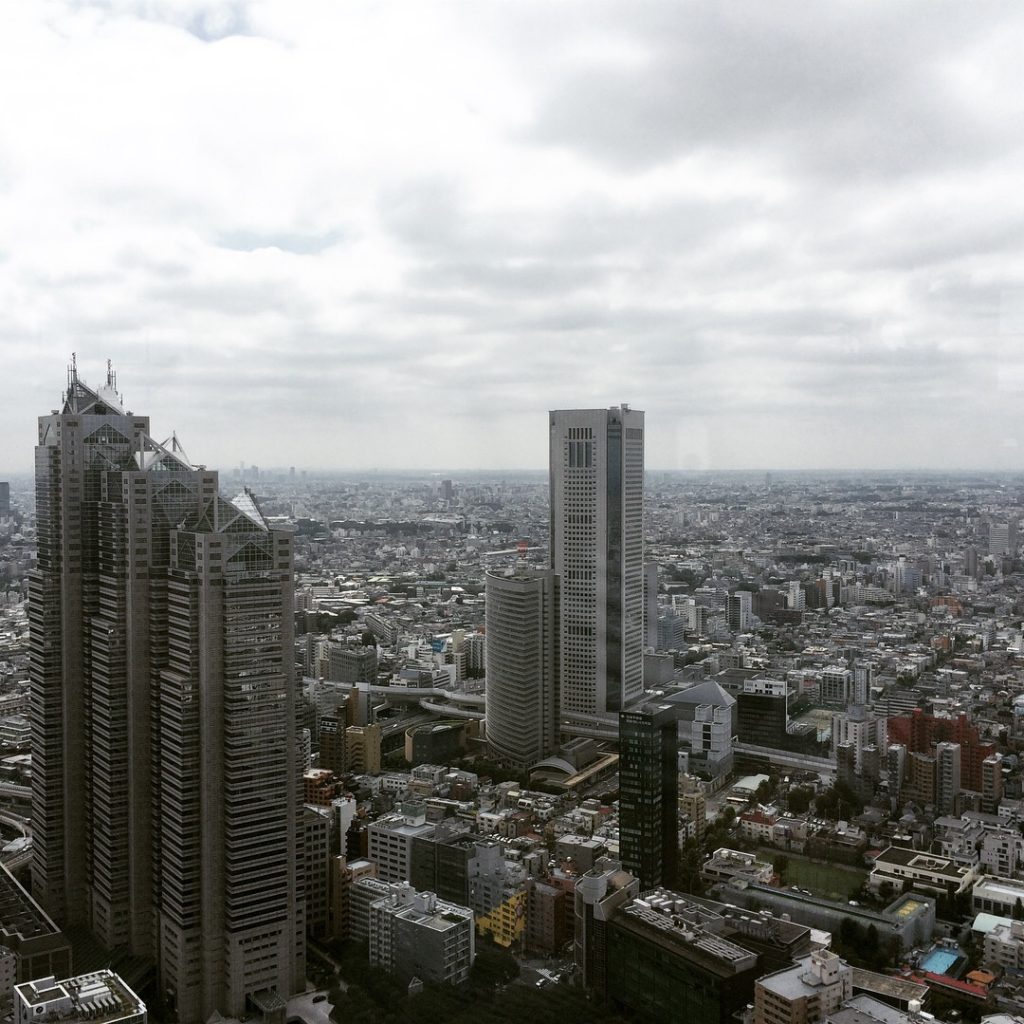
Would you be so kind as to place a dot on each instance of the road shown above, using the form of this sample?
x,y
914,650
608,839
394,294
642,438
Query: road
x,y
313,947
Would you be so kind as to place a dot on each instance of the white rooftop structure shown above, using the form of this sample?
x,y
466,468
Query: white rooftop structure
x,y
99,998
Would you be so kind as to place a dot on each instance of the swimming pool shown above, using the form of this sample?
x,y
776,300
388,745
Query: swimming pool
x,y
939,961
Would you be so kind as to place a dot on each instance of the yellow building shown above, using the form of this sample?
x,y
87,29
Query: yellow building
x,y
506,923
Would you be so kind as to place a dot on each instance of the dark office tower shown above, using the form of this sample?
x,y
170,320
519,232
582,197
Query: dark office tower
x,y
763,709
597,512
649,794
5,499
165,789
522,664
332,742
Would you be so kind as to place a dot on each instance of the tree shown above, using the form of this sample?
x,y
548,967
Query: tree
x,y
799,799
849,932
873,947
827,804
493,966
690,880
780,864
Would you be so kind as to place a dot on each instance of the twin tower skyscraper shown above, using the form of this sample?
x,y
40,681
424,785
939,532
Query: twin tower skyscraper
x,y
565,644
165,761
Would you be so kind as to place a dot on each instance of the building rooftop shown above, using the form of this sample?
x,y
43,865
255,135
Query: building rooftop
x,y
708,692
929,862
888,986
98,997
1007,887
805,977
655,918
985,923
864,1009
19,913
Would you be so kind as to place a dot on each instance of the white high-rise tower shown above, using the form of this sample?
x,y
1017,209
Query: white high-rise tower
x,y
597,512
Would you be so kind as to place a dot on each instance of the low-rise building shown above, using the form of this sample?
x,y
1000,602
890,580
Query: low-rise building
x,y
8,974
805,993
416,935
725,865
907,922
758,824
999,896
343,875
362,894
865,1009
1004,947
926,871
664,965
101,997
545,916
1002,851
26,930
390,840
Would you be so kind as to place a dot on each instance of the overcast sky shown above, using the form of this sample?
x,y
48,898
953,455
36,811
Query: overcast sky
x,y
395,235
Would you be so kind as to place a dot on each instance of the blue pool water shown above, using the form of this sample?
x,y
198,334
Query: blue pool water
x,y
938,961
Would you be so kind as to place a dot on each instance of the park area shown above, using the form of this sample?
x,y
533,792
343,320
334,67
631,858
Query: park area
x,y
833,881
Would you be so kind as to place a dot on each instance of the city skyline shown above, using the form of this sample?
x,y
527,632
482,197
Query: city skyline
x,y
795,242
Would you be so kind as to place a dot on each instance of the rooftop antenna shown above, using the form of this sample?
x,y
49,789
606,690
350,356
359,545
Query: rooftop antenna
x,y
177,446
111,377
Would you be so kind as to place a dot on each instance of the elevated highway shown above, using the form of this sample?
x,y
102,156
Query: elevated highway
x,y
824,766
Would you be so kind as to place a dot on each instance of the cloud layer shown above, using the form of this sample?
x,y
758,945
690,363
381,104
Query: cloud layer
x,y
394,235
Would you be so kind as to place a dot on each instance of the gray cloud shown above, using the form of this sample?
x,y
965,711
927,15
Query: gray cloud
x,y
854,90
396,234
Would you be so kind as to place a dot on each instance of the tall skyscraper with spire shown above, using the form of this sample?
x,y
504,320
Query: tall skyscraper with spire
x,y
597,513
165,760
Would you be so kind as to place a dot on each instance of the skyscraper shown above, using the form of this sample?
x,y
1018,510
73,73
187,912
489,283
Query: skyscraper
x,y
5,498
522,664
165,781
649,793
597,489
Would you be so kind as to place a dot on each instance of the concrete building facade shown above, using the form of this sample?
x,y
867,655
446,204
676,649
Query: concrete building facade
x,y
522,664
161,634
597,483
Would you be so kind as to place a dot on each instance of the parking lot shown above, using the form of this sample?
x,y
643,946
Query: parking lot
x,y
309,1008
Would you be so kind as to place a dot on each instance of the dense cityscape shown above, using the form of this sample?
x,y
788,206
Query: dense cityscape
x,y
597,743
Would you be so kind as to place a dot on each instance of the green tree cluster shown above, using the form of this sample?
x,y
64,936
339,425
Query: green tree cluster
x,y
863,947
